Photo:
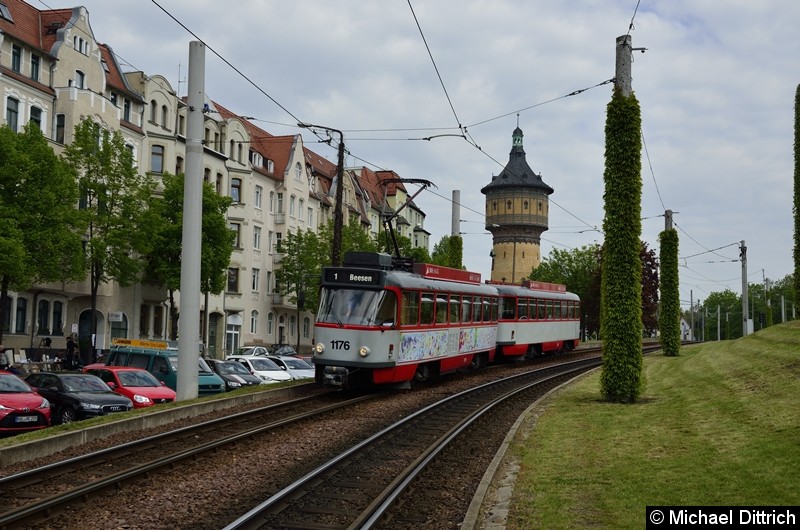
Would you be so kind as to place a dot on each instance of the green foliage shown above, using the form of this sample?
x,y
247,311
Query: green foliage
x,y
354,237
669,322
796,206
40,228
301,267
164,261
621,292
449,252
649,290
114,201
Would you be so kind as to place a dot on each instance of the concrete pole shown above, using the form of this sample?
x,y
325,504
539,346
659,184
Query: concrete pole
x,y
455,215
745,305
622,81
188,324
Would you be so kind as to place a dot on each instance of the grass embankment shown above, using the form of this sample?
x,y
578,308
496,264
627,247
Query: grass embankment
x,y
717,425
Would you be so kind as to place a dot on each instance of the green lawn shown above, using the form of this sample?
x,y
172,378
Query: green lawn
x,y
717,425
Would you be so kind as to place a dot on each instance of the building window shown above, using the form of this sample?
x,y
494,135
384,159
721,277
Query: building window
x,y
43,317
257,196
153,109
298,171
158,322
300,207
12,113
119,328
278,238
291,206
306,327
58,318
269,241
5,14
144,320
270,166
60,128
164,116
16,58
269,281
253,322
233,280
271,201
270,322
236,190
113,98
179,165
236,228
126,109
311,218
254,280
280,202
36,117
21,315
157,159
35,62
256,238
525,205
292,326
181,124
217,183
80,79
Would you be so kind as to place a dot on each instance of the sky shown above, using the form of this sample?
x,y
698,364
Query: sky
x,y
716,83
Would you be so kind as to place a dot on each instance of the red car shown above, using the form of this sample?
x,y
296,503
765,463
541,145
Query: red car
x,y
21,408
138,385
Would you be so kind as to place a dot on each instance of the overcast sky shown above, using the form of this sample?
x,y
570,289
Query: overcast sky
x,y
716,88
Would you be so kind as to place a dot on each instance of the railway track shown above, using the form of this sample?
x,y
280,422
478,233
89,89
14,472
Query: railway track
x,y
35,496
359,487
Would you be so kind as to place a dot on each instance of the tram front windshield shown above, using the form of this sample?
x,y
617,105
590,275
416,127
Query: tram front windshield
x,y
357,307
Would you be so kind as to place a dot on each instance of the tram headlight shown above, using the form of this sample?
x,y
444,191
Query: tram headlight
x,y
363,351
319,348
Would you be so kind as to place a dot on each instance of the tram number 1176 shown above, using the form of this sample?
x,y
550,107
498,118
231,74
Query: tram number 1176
x,y
340,344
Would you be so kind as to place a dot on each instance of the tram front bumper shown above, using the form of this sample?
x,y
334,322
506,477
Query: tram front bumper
x,y
335,376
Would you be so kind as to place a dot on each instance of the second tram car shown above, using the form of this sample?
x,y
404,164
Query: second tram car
x,y
388,321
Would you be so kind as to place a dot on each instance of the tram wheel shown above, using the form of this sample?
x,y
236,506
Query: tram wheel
x,y
423,372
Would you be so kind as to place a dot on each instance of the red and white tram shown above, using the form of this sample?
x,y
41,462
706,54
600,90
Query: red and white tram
x,y
386,321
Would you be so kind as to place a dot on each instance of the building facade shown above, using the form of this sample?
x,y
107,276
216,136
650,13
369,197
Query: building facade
x,y
53,73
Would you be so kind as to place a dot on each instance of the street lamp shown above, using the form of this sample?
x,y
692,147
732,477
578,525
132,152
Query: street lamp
x,y
336,246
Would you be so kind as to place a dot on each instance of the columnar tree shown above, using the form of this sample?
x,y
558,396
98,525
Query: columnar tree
x,y
114,202
669,317
449,252
621,289
40,226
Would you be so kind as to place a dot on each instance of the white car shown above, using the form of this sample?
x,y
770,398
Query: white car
x,y
294,366
261,367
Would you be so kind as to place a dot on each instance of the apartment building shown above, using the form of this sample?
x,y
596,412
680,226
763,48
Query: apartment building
x,y
54,73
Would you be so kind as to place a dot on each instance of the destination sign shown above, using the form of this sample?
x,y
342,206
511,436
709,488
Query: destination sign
x,y
365,277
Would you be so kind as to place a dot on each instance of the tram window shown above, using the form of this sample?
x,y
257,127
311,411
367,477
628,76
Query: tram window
x,y
466,309
387,309
542,310
487,308
476,309
564,310
410,314
549,310
426,309
495,304
522,308
508,307
455,309
441,308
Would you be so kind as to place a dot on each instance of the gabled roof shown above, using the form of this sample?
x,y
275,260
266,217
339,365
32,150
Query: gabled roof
x,y
114,77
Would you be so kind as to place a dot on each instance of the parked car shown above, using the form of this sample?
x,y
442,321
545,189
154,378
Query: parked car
x,y
282,349
233,373
263,368
294,366
137,384
161,359
22,409
251,350
77,396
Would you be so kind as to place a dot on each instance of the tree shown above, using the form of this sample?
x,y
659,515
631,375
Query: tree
x,y
729,305
621,298
669,318
301,270
164,261
40,227
449,252
354,238
649,290
114,201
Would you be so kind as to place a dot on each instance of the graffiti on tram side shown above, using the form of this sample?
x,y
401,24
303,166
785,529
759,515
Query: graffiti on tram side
x,y
421,345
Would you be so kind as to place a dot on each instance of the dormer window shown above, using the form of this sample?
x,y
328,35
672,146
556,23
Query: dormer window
x,y
256,159
270,166
5,13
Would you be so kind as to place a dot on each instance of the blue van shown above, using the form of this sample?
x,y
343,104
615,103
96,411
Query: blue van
x,y
161,360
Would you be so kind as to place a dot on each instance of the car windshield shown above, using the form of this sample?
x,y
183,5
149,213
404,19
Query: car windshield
x,y
137,378
357,306
12,384
84,383
297,364
264,365
232,368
